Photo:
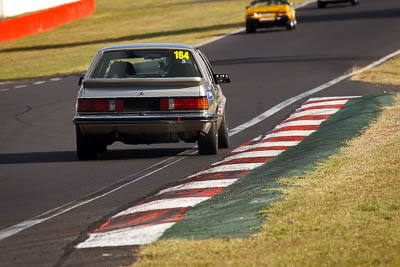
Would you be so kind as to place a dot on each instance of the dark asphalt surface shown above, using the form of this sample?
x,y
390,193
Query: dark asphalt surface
x,y
40,172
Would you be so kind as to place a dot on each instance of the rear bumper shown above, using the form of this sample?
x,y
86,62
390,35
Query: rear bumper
x,y
136,125
269,22
334,1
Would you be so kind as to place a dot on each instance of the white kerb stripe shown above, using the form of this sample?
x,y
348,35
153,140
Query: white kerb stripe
x,y
314,112
230,168
140,235
252,154
290,133
266,144
330,97
300,123
200,184
325,103
169,203
258,138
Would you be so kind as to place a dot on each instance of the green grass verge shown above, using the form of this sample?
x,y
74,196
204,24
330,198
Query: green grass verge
x,y
71,47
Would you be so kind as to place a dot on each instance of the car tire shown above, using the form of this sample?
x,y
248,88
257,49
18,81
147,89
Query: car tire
x,y
290,25
85,147
321,5
101,147
223,133
250,28
208,144
354,2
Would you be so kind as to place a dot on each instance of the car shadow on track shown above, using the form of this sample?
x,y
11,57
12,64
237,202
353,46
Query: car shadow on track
x,y
354,15
70,156
285,59
264,30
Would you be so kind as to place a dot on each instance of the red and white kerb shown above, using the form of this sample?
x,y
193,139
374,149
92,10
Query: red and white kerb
x,y
148,220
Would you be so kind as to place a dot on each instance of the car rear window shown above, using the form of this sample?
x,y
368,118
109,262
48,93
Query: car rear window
x,y
267,3
148,63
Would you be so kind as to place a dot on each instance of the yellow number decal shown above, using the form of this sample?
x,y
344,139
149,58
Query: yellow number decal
x,y
181,55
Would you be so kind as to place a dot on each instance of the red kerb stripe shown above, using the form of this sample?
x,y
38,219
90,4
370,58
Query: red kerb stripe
x,y
296,128
284,138
143,218
220,175
309,117
245,160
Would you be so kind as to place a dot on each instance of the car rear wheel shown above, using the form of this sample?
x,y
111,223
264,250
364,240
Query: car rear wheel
x,y
291,24
223,133
354,2
250,28
208,144
85,147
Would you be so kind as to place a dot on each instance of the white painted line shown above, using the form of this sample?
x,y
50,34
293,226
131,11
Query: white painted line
x,y
324,103
55,79
200,185
140,235
161,204
220,37
229,168
20,86
12,230
39,82
294,99
300,123
314,112
5,90
290,133
266,144
252,154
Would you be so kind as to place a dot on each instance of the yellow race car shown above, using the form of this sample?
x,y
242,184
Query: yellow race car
x,y
270,13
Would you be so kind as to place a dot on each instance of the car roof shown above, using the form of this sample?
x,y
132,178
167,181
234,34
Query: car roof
x,y
148,45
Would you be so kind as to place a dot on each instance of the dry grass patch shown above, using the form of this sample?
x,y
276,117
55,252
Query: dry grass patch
x,y
345,213
71,47
388,73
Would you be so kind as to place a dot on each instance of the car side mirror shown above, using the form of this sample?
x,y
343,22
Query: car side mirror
x,y
222,78
80,80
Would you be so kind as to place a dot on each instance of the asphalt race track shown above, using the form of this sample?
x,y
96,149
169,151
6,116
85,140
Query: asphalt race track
x,y
39,171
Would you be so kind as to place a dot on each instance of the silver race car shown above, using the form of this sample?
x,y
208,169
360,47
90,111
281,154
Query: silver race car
x,y
150,93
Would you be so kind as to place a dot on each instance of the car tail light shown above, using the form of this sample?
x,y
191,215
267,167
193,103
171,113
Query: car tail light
x,y
96,105
184,103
